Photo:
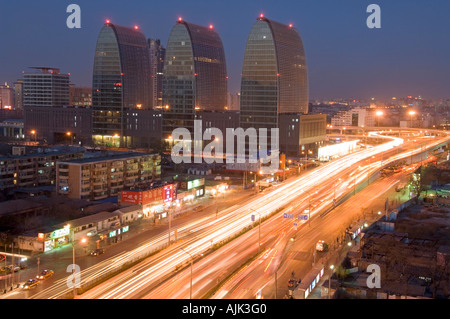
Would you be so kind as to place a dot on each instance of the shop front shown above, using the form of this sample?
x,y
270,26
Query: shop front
x,y
153,201
195,187
57,238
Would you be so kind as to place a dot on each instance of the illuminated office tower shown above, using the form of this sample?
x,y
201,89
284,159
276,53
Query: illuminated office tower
x,y
274,75
195,76
121,83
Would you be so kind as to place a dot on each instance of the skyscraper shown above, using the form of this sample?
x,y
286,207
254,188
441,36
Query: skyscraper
x,y
274,75
121,82
195,76
157,56
18,90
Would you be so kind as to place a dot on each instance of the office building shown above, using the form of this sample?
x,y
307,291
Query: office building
x,y
80,96
301,135
195,76
18,91
361,117
47,87
233,101
274,76
66,125
157,56
121,82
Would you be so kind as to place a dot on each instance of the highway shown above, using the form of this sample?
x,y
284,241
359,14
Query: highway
x,y
140,280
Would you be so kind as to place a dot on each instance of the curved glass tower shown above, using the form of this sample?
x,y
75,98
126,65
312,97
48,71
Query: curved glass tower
x,y
274,75
195,76
121,82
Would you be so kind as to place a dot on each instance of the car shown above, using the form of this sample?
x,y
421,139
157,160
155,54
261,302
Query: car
x,y
97,252
45,274
321,246
14,268
30,284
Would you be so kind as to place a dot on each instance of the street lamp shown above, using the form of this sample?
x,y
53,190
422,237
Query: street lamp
x,y
33,132
334,191
82,241
259,231
192,260
329,281
378,114
411,114
69,134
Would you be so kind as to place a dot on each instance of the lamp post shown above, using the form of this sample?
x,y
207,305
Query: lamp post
x,y
334,190
259,231
82,241
172,208
34,133
378,115
192,260
411,114
309,210
69,134
329,281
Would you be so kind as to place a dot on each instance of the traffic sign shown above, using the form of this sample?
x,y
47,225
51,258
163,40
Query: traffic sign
x,y
303,217
288,216
253,218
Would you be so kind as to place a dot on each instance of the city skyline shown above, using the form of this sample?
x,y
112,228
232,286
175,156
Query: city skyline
x,y
407,56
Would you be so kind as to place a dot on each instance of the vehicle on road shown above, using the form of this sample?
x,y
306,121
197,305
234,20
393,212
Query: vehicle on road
x,y
14,268
321,246
30,284
97,252
292,284
45,274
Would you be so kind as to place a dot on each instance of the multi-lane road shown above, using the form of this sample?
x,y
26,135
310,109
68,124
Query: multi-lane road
x,y
158,275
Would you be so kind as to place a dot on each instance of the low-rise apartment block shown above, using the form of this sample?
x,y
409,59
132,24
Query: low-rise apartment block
x,y
100,177
37,168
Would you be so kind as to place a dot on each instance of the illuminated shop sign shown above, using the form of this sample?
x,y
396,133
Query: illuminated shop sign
x,y
195,183
60,233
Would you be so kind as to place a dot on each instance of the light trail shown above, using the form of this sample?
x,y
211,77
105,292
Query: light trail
x,y
231,222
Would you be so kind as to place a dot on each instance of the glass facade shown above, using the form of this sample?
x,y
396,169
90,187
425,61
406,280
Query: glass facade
x,y
274,75
121,82
195,75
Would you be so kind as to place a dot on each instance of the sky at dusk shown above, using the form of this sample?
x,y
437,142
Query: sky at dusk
x,y
409,55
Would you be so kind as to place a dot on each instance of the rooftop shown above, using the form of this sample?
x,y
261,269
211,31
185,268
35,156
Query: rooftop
x,y
105,156
88,219
49,151
17,206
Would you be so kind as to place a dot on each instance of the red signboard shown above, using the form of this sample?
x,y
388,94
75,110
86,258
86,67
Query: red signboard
x,y
131,197
165,193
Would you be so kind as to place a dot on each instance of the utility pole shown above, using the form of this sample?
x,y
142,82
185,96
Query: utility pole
x,y
192,260
170,222
259,231
12,273
276,284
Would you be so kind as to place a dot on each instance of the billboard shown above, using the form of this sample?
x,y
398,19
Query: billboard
x,y
165,193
